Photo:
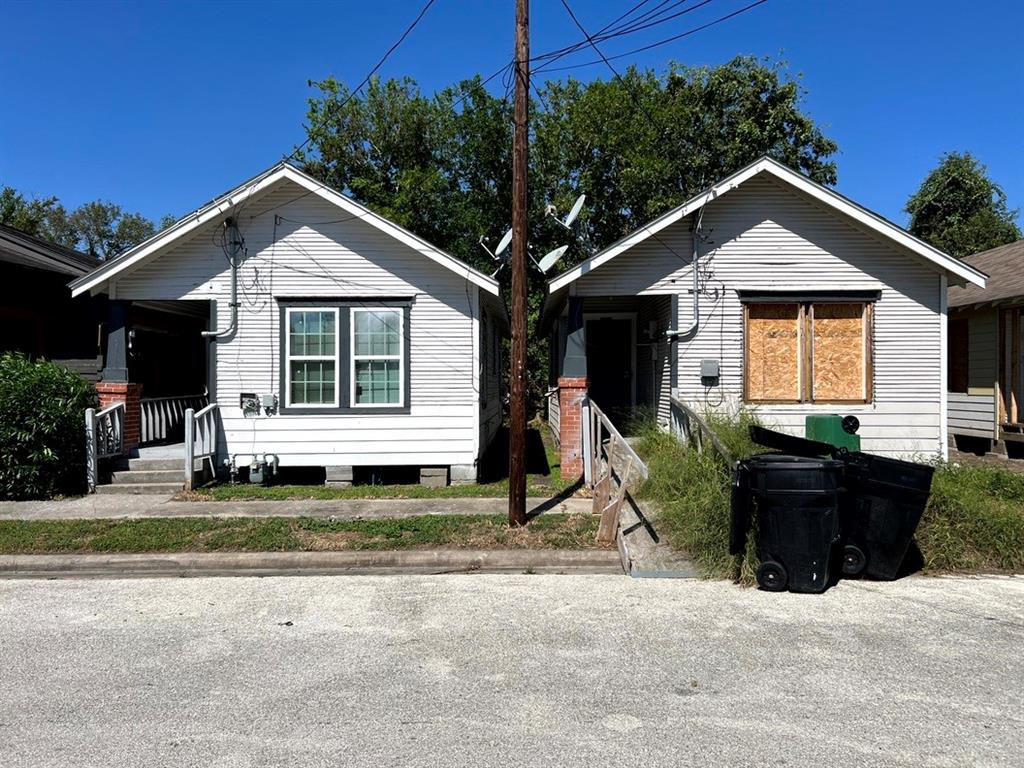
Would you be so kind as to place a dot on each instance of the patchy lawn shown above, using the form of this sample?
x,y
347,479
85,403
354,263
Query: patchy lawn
x,y
554,531
974,521
544,479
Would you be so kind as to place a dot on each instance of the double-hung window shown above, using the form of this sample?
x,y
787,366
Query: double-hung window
x,y
377,356
344,356
311,349
807,352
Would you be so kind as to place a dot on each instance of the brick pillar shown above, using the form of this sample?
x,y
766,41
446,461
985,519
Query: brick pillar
x,y
130,394
571,391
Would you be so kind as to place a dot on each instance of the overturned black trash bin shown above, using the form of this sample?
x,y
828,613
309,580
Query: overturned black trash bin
x,y
881,508
795,503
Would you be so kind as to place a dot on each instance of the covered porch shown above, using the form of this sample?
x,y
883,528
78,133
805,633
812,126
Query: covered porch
x,y
613,350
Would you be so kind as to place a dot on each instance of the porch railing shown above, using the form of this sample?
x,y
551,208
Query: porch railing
x,y
200,439
104,437
610,467
163,418
689,427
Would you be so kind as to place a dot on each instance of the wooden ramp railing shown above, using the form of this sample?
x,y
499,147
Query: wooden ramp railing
x,y
691,428
610,467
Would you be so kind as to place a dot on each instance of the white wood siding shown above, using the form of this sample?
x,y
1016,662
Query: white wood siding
x,y
973,415
318,251
766,237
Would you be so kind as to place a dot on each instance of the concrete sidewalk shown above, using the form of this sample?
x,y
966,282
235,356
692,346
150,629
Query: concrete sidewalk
x,y
97,507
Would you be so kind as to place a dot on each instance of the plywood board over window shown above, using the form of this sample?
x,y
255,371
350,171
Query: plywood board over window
x,y
773,352
839,352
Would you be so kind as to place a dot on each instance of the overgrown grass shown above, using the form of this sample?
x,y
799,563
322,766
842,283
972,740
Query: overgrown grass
x,y
555,531
974,521
691,490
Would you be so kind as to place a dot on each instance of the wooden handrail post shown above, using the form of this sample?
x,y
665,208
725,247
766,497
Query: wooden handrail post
x,y
190,448
588,444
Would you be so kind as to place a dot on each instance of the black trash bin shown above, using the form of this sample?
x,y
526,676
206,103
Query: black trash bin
x,y
885,500
795,503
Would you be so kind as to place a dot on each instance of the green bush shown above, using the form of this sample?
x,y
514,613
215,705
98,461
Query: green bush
x,y
42,428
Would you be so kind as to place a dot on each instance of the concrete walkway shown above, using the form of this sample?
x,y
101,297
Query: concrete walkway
x,y
97,507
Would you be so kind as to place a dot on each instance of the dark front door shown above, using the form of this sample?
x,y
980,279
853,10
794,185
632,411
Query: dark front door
x,y
610,364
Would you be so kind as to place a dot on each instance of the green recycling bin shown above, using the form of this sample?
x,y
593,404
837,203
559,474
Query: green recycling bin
x,y
828,428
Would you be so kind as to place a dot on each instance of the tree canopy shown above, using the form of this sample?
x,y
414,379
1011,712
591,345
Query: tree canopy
x,y
960,210
100,228
636,146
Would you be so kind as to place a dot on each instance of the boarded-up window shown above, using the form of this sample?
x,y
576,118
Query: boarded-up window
x,y
808,352
959,352
773,352
839,355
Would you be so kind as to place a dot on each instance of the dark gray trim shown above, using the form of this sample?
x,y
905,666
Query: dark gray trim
x,y
574,364
785,297
116,366
344,354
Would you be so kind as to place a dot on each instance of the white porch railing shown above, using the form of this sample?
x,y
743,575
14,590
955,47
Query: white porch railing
x,y
610,467
200,439
104,437
163,418
690,428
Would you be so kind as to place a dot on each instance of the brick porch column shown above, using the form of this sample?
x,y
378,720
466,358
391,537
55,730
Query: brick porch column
x,y
130,394
571,391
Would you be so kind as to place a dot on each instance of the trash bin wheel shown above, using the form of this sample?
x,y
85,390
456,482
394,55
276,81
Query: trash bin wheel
x,y
771,576
853,560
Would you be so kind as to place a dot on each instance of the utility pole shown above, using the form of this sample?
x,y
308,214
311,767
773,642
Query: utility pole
x,y
520,148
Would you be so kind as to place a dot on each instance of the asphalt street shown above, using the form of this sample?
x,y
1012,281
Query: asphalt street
x,y
509,670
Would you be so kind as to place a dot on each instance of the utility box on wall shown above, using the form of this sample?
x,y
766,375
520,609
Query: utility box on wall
x,y
709,372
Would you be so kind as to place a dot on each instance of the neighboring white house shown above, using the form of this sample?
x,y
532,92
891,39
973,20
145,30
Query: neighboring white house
x,y
805,303
355,343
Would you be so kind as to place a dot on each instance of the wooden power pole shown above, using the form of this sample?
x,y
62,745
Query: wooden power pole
x,y
520,149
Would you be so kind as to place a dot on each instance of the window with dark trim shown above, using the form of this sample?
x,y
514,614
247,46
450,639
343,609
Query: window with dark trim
x,y
807,352
344,356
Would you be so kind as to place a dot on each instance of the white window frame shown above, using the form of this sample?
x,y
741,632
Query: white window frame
x,y
289,357
354,358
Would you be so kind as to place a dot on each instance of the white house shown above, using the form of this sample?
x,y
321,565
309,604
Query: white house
x,y
802,302
335,337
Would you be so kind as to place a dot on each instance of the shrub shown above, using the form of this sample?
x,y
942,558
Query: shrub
x,y
42,437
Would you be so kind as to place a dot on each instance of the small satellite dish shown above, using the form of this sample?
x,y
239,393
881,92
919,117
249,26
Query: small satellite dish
x,y
551,258
574,211
503,243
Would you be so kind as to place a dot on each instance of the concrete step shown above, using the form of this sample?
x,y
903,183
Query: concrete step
x,y
162,489
156,464
149,476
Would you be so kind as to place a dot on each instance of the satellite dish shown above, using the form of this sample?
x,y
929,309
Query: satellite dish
x,y
503,243
551,258
574,211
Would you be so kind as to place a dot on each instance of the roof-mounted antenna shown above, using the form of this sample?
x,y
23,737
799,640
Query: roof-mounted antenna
x,y
551,258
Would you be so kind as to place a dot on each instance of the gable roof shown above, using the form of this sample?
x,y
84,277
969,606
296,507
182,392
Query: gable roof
x,y
275,175
832,199
1004,266
17,247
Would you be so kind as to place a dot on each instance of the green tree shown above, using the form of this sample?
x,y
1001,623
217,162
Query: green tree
x,y
27,215
960,210
441,165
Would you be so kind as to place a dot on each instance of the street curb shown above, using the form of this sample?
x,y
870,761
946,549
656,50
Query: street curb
x,y
310,563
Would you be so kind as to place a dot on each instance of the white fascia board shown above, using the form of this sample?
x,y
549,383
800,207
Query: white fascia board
x,y
226,203
827,196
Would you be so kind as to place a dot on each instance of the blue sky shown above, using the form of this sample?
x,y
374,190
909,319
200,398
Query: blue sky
x,y
160,106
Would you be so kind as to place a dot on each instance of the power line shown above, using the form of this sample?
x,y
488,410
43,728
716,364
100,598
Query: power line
x,y
657,44
373,71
